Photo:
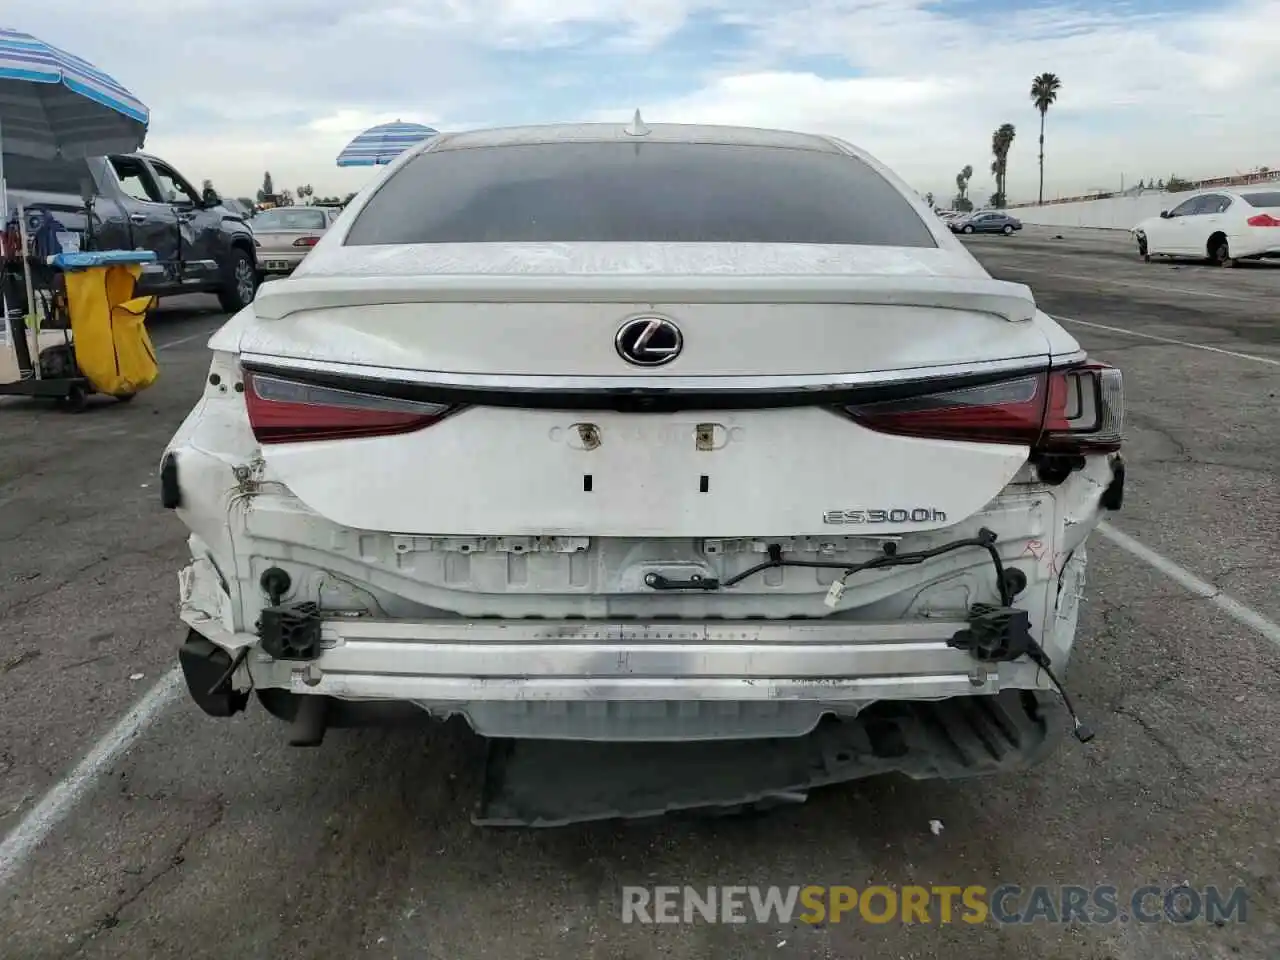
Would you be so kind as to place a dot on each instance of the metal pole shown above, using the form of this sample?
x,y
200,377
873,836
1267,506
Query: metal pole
x,y
4,191
4,226
32,310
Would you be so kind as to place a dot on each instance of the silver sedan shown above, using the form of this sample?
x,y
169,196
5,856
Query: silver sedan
x,y
284,235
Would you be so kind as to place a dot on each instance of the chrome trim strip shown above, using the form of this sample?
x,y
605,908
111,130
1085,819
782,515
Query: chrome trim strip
x,y
714,383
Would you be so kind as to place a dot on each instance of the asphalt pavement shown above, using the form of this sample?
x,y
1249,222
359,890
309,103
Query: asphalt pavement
x,y
136,827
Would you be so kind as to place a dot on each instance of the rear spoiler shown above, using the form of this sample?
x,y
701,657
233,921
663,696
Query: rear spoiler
x,y
1013,302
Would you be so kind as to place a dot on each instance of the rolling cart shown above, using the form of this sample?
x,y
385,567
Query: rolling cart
x,y
54,104
103,346
33,361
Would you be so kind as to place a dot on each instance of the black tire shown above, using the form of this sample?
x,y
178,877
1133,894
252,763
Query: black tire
x,y
1008,230
1220,251
1142,250
77,398
240,282
968,228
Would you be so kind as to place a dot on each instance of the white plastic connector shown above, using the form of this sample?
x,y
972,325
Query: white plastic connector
x,y
834,593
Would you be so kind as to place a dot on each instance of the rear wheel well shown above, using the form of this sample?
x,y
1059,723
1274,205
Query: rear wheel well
x,y
243,243
1215,240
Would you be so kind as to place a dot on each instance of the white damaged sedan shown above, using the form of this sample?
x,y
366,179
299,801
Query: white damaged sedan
x,y
1223,226
647,433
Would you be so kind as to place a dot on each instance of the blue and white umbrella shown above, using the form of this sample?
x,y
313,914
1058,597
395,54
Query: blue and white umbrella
x,y
52,103
383,143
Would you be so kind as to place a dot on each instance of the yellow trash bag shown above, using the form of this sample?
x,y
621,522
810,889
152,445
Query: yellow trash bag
x,y
108,327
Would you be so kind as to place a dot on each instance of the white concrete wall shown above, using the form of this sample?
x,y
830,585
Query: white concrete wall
x,y
1117,213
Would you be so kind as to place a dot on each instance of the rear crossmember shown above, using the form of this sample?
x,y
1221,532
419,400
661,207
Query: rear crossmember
x,y
995,633
291,632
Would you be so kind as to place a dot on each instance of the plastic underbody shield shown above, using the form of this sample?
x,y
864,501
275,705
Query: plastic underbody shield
x,y
547,783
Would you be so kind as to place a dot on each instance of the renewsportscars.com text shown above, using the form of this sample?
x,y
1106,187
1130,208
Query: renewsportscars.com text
x,y
972,904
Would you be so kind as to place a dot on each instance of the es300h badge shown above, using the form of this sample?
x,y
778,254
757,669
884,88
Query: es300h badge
x,y
889,515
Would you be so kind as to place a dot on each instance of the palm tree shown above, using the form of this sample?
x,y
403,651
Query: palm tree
x,y
1001,141
962,188
1044,93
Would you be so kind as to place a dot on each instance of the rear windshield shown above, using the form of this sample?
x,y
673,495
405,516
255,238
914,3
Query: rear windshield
x,y
634,192
1270,198
288,218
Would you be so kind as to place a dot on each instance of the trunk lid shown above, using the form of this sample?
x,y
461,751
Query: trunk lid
x,y
512,324
283,241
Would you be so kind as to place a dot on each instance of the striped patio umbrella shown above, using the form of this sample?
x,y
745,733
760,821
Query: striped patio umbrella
x,y
52,103
383,143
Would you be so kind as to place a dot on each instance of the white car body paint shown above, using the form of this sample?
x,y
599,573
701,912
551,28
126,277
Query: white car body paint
x,y
1206,214
431,551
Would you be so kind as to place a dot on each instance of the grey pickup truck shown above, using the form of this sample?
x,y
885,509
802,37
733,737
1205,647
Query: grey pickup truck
x,y
137,201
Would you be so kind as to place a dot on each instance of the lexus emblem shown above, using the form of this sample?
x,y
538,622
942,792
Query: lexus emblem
x,y
649,341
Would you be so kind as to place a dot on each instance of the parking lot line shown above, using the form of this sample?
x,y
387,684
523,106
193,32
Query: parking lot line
x,y
1180,343
1229,605
23,840
1139,285
36,826
182,340
39,822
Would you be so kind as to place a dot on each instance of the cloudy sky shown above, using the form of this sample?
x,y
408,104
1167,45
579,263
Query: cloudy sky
x,y
1150,87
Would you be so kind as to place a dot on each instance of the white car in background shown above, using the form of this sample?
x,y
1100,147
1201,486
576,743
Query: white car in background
x,y
1223,225
669,433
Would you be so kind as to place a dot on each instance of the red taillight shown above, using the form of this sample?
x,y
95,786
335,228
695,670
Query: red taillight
x,y
286,411
1264,220
1071,410
306,241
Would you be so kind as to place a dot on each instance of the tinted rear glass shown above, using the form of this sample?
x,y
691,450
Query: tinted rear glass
x,y
651,192
1270,198
290,218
